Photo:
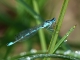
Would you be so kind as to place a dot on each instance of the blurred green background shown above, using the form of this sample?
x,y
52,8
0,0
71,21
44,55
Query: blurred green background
x,y
18,15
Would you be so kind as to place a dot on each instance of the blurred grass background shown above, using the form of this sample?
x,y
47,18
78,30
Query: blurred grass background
x,y
16,16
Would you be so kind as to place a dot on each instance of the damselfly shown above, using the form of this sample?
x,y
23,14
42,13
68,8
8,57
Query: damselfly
x,y
27,33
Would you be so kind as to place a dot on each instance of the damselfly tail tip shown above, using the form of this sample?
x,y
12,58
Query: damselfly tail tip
x,y
11,43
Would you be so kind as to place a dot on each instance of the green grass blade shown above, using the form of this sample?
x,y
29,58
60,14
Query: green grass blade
x,y
63,38
57,28
41,34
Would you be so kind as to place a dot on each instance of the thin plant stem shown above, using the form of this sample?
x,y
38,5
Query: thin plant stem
x,y
63,38
57,28
41,34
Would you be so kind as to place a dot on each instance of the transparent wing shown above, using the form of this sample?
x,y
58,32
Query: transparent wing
x,y
25,34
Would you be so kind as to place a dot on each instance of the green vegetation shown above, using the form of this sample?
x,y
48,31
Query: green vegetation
x,y
24,15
